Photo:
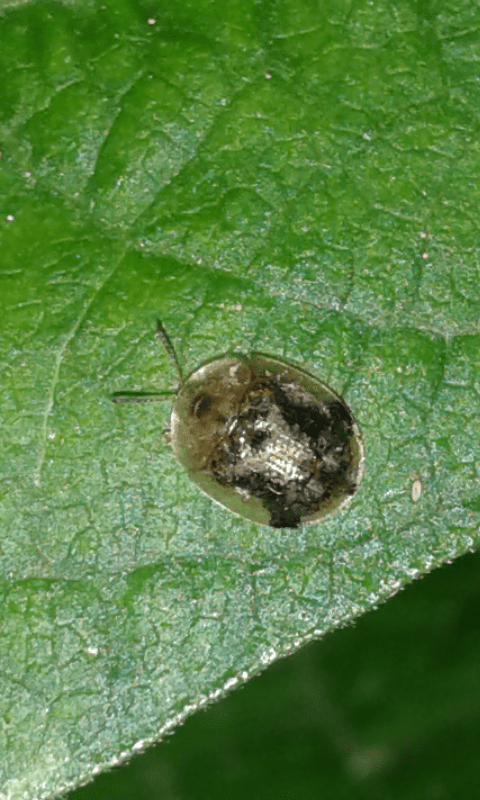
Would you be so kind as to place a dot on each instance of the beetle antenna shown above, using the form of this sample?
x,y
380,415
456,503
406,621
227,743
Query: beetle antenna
x,y
139,397
162,333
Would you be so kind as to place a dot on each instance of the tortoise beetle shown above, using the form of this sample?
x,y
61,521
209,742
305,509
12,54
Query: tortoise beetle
x,y
263,438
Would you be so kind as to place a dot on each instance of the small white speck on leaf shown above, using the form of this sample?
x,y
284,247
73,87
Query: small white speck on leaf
x,y
417,490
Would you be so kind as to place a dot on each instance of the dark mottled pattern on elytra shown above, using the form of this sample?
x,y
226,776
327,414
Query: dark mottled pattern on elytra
x,y
286,448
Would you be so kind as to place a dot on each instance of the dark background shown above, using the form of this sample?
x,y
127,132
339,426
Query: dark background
x,y
387,708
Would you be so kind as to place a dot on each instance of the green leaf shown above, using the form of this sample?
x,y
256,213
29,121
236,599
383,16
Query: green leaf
x,y
388,707
275,177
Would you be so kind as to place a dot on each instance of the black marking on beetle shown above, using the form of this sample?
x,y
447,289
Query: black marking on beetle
x,y
286,448
201,405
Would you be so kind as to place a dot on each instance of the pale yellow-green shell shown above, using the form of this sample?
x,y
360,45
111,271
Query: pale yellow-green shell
x,y
210,395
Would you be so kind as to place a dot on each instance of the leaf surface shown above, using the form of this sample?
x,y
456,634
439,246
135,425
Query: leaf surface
x,y
287,179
